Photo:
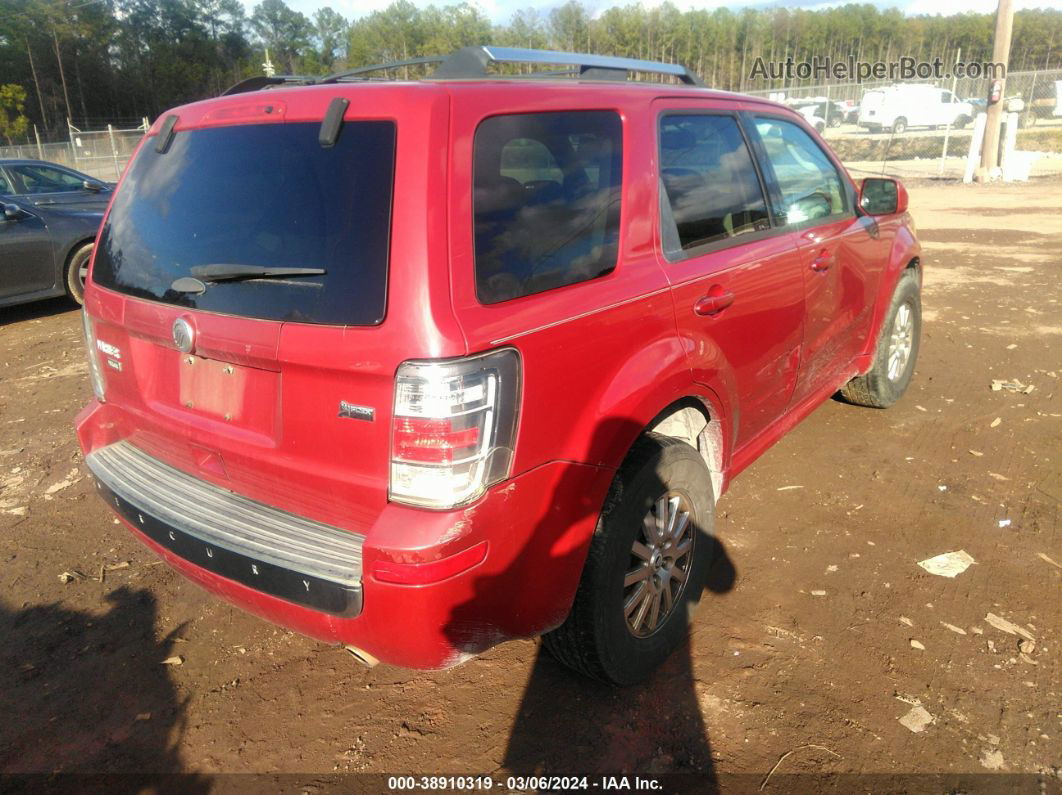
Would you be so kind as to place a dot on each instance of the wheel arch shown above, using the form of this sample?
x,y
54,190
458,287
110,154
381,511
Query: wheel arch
x,y
73,248
906,255
692,420
68,258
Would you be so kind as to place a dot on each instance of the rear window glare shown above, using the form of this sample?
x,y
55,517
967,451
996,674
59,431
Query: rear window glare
x,y
546,201
266,196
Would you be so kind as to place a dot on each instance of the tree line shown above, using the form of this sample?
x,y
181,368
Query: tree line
x,y
96,61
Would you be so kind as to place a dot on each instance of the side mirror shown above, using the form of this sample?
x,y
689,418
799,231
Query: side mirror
x,y
12,212
882,196
92,185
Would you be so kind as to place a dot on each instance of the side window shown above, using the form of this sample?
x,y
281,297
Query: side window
x,y
529,162
546,201
810,185
710,188
41,179
5,186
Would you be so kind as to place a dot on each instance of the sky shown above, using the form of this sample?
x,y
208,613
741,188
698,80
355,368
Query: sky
x,y
499,11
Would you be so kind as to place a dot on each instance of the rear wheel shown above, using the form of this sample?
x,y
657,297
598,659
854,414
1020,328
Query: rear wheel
x,y
77,272
646,567
896,351
899,127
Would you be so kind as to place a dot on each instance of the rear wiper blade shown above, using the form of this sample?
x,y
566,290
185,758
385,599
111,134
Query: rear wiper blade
x,y
201,274
228,273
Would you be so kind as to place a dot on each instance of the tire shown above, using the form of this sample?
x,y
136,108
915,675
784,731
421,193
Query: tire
x,y
77,272
597,638
961,122
835,121
899,127
877,389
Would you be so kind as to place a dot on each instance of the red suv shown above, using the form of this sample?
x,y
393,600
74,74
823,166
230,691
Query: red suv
x,y
420,366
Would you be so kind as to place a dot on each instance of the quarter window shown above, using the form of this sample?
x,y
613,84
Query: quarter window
x,y
546,201
710,188
810,186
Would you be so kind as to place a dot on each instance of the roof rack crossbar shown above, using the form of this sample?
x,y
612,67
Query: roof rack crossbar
x,y
381,67
259,82
471,62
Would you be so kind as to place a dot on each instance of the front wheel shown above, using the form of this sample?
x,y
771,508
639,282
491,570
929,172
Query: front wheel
x,y
896,351
77,272
899,127
646,568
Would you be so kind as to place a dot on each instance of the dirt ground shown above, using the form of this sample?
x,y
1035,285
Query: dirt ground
x,y
828,635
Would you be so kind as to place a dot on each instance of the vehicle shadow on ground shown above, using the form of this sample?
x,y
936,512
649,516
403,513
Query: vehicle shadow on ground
x,y
89,694
567,724
36,310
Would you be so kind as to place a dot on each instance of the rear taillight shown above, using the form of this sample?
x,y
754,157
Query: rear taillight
x,y
95,370
454,427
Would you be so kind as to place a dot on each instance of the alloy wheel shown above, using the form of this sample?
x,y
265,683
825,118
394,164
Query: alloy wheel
x,y
660,562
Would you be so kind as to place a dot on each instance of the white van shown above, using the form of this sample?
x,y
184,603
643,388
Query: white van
x,y
898,107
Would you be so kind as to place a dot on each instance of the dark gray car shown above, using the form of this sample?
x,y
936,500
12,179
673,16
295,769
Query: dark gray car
x,y
44,184
44,250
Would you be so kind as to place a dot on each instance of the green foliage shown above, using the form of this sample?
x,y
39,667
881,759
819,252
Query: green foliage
x,y
285,33
118,60
13,122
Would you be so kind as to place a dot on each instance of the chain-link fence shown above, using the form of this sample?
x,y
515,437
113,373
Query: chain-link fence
x,y
1038,89
942,151
99,153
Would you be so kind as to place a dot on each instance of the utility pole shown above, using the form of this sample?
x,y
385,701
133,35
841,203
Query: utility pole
x,y
947,130
994,111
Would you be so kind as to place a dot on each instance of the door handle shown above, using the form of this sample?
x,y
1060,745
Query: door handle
x,y
714,302
823,261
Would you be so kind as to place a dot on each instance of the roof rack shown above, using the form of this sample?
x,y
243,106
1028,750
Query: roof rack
x,y
470,63
259,82
381,67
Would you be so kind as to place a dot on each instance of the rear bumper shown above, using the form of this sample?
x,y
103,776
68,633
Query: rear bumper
x,y
504,567
278,553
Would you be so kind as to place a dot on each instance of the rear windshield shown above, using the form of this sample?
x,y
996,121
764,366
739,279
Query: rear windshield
x,y
267,196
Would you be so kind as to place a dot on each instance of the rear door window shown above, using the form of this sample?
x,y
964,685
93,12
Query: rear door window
x,y
546,201
710,189
264,196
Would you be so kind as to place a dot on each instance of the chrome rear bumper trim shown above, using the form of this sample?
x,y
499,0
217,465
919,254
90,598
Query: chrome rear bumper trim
x,y
279,553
